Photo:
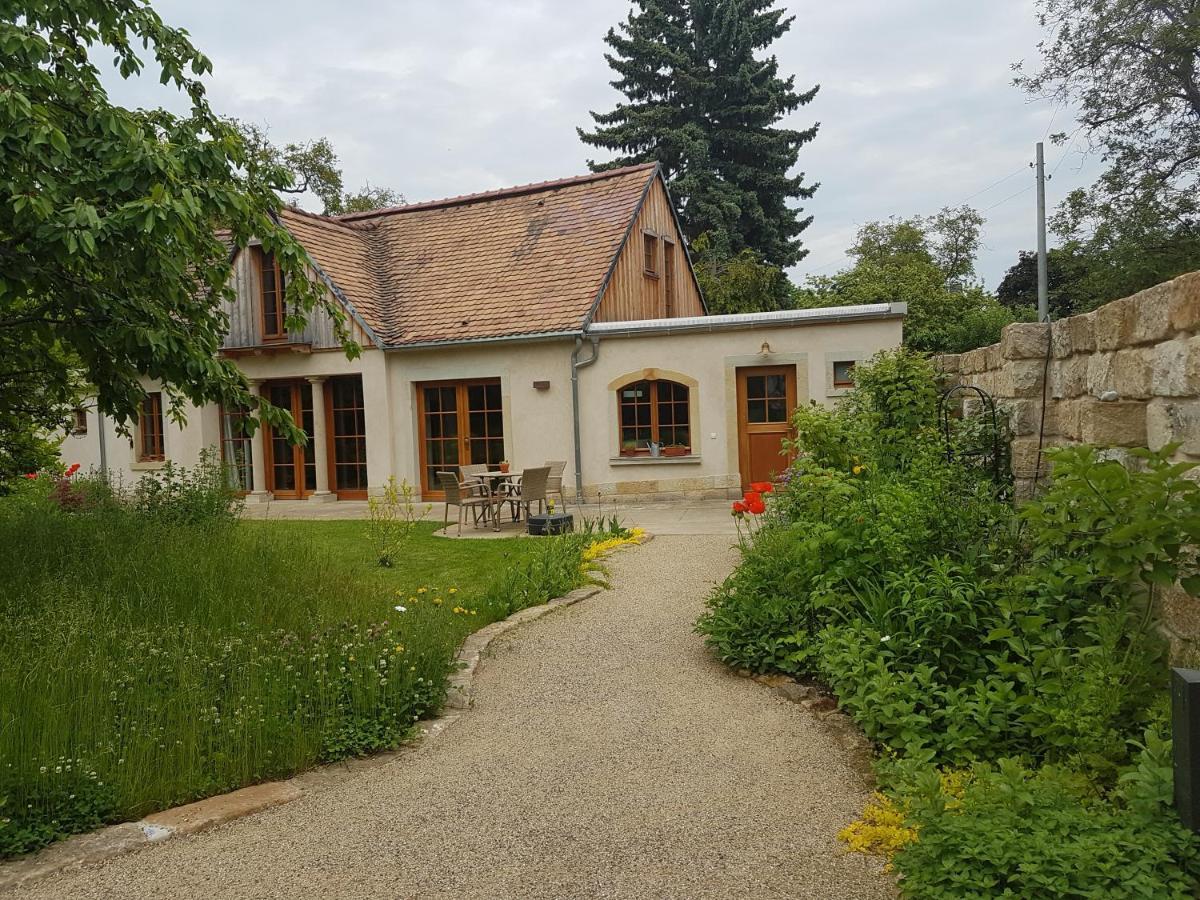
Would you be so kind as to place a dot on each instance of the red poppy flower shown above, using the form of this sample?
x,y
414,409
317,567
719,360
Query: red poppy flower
x,y
739,508
754,503
73,469
762,487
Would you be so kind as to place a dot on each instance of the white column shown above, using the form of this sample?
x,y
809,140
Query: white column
x,y
320,448
258,459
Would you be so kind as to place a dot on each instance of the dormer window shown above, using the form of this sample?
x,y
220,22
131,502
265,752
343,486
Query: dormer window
x,y
650,252
274,314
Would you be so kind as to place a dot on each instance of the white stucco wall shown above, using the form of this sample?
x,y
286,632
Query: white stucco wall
x,y
202,429
538,422
709,360
180,443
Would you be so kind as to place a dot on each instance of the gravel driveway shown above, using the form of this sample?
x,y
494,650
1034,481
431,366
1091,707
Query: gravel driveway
x,y
607,755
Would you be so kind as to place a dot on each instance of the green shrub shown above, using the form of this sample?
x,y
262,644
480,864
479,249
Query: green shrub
x,y
181,495
959,631
1013,832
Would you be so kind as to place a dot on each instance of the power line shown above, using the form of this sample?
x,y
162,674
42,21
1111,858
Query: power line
x,y
1066,151
996,183
1024,190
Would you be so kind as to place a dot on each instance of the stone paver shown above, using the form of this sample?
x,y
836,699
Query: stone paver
x,y
607,755
666,517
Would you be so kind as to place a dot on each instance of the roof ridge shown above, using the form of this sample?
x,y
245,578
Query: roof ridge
x,y
515,191
357,230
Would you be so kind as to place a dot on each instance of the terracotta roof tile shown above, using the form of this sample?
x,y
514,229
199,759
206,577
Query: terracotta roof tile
x,y
518,261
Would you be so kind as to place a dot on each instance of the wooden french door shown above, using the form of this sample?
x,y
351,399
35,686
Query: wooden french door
x,y
291,471
346,435
766,396
459,423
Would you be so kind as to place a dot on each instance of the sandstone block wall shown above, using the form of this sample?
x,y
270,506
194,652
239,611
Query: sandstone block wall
x,y
1125,375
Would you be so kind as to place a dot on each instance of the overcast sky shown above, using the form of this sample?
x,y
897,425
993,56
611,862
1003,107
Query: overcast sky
x,y
434,99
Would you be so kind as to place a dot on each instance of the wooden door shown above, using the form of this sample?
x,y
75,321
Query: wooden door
x,y
291,470
766,396
458,423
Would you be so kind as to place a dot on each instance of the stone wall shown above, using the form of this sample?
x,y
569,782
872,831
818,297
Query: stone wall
x,y
1125,375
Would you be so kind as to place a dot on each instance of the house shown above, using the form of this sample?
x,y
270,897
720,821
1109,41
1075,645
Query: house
x,y
558,320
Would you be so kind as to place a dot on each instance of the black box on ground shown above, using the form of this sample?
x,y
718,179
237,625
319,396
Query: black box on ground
x,y
551,523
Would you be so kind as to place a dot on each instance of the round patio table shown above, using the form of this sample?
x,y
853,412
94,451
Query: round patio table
x,y
493,479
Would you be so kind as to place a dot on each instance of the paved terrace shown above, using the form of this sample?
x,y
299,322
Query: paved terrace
x,y
667,517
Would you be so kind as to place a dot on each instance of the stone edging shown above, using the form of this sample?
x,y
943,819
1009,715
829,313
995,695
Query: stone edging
x,y
821,702
192,818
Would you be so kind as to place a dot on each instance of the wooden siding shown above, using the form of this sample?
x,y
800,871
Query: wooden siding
x,y
631,293
245,315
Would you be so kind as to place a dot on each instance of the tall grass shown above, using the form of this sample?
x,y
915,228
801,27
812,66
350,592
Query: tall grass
x,y
146,663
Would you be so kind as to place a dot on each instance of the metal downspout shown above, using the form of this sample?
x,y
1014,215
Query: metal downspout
x,y
576,365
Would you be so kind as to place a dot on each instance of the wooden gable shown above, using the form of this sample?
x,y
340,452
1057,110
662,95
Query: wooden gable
x,y
246,315
652,278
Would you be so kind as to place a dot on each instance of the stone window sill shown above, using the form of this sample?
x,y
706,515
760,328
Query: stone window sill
x,y
692,459
147,465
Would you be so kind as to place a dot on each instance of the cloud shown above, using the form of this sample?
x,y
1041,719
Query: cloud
x,y
916,105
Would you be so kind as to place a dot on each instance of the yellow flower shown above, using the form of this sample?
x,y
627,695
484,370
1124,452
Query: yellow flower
x,y
437,601
422,590
453,590
399,648
412,600
857,470
472,612
881,831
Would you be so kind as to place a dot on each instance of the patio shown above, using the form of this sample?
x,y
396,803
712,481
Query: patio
x,y
667,517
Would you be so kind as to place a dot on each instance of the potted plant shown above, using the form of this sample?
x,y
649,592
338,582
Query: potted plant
x,y
629,448
675,450
504,465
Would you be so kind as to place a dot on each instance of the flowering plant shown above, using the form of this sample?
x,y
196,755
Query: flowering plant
x,y
747,510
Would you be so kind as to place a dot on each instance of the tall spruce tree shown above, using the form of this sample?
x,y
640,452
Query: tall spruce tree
x,y
704,106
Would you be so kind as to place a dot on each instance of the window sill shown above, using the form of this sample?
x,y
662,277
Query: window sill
x,y
147,465
691,459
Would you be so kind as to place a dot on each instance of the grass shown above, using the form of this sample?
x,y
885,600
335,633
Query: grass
x,y
426,559
145,664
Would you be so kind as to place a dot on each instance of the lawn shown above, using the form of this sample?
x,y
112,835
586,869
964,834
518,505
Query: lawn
x,y
426,559
147,661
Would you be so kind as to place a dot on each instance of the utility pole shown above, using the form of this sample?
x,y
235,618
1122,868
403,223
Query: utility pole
x,y
1043,301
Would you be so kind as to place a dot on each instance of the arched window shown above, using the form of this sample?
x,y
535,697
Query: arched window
x,y
654,411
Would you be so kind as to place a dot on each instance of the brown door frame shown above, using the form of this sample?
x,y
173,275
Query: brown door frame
x,y
462,409
298,461
746,428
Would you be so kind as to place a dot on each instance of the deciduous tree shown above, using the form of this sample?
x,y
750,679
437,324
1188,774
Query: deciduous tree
x,y
117,225
1132,69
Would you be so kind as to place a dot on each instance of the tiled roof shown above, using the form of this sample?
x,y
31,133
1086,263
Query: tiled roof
x,y
519,261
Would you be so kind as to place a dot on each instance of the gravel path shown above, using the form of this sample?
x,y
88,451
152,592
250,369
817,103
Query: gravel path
x,y
607,755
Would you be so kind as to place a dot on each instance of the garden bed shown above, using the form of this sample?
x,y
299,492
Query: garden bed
x,y
148,660
1003,661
